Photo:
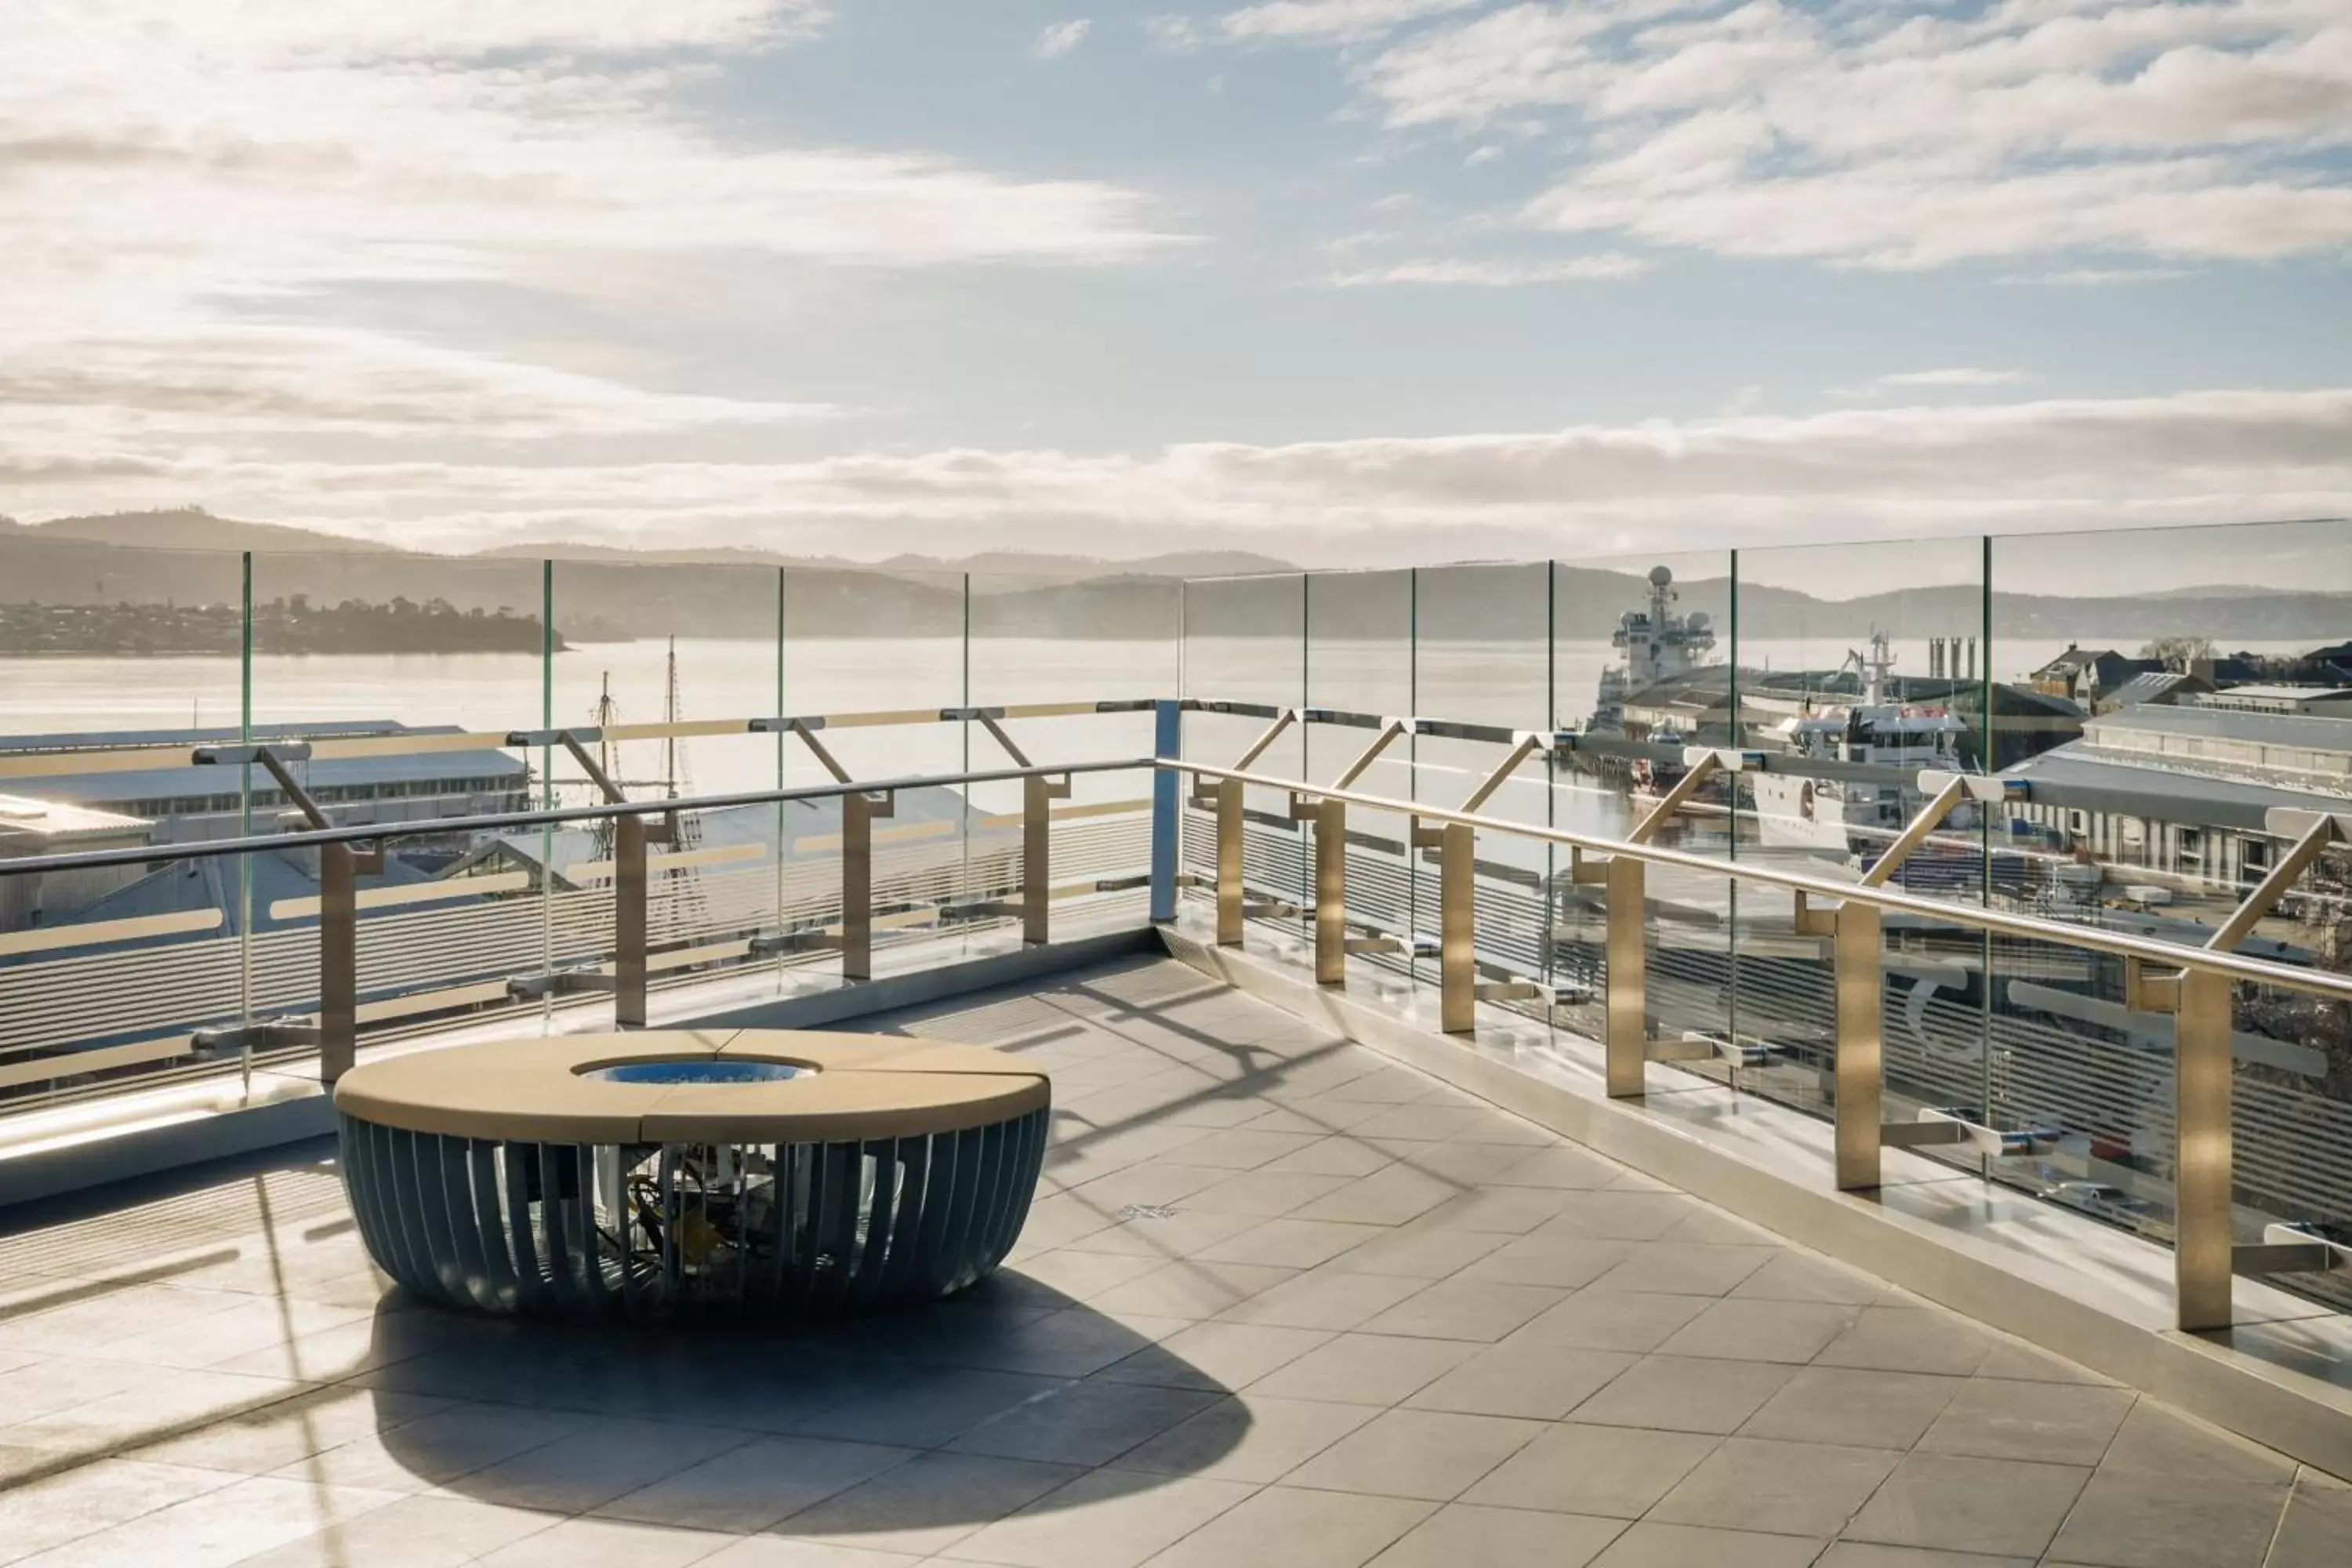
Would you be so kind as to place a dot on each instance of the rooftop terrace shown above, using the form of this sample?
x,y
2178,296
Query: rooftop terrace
x,y
1281,1301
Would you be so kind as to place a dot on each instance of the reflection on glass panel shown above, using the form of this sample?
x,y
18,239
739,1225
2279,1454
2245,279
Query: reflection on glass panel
x,y
2178,707
98,639
1360,654
1245,643
1859,669
665,644
106,975
1483,658
1640,656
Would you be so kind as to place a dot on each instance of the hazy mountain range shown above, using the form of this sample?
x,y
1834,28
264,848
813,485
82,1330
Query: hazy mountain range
x,y
601,593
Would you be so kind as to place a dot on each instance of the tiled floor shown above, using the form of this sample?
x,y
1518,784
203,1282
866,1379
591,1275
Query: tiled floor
x,y
1279,1303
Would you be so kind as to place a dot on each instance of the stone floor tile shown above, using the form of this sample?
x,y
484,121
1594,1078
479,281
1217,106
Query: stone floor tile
x,y
1538,1381
1495,1211
1192,1288
1270,1195
1998,1507
1464,1163
1465,1309
926,1504
1237,1148
430,1531
1101,1520
2317,1531
159,1401
242,1519
604,1460
1423,1252
2156,1440
1869,1554
1465,1535
1216,1355
1392,1196
1683,1269
1652,1544
2132,1520
1621,1214
2012,1359
292,1429
1286,1527
1365,1369
1773,1485
1083,1424
1750,1330
1614,1471
775,1552
1248,1437
1331,1154
2061,1423
751,1487
1565,1261
1562,1165
59,1509
1330,1297
1910,1339
1861,1409
1080,1275
924,1407
607,1543
1291,1243
1163,1232
435,1449
1679,1394
1429,1454
1793,1276
1615,1320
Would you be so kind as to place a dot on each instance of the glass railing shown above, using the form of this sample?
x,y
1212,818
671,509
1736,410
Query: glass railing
x,y
2146,713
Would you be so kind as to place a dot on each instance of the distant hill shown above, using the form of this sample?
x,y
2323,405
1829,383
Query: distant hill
x,y
193,528
1036,568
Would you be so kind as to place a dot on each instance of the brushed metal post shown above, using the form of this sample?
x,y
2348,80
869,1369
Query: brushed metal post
x,y
1036,858
632,890
1457,929
2203,1236
1860,1077
339,961
1629,977
858,811
1331,893
1229,863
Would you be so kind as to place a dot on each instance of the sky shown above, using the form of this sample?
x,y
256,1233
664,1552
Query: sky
x,y
1345,281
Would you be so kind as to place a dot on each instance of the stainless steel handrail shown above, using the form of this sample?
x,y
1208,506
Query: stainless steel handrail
x,y
2192,985
211,848
2256,971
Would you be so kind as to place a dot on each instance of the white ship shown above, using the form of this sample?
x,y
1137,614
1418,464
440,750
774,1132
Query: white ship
x,y
1659,646
1843,815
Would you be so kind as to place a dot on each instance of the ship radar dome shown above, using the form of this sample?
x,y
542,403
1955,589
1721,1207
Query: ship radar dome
x,y
1660,576
1698,622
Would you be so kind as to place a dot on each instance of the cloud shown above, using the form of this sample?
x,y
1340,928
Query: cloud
x,y
1955,376
1891,136
1749,477
1344,19
2098,277
1498,274
1060,37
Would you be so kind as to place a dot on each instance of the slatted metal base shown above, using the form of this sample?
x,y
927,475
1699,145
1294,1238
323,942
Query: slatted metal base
x,y
656,1232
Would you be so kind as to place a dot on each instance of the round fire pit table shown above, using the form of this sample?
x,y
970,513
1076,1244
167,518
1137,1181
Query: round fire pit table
x,y
652,1175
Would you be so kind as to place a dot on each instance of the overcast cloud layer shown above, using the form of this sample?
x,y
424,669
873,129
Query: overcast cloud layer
x,y
730,270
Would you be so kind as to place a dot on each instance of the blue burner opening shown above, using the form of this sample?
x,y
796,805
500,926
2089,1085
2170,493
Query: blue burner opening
x,y
696,1070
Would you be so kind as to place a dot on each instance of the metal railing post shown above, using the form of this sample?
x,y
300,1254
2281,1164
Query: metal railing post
x,y
339,961
1457,929
1628,1042
632,898
2203,1240
1036,858
1331,892
858,811
1229,863
1167,819
1860,1074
